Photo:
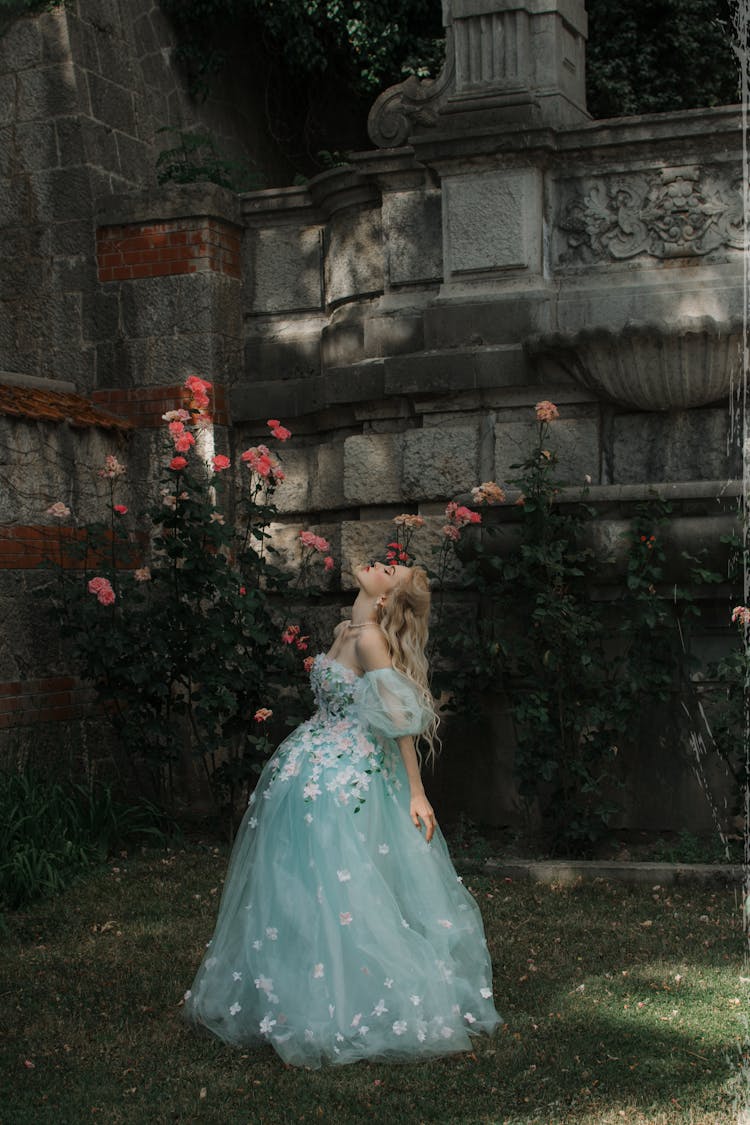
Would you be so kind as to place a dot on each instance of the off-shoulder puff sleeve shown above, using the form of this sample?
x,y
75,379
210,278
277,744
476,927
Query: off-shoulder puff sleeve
x,y
390,704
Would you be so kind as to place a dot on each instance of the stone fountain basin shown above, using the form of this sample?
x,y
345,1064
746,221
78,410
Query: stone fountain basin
x,y
650,367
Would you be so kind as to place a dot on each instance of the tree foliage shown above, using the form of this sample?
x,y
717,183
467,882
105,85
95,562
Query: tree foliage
x,y
649,56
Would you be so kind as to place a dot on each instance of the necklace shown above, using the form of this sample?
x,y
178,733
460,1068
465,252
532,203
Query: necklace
x,y
362,625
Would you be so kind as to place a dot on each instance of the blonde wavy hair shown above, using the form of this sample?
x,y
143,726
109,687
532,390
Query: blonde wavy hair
x,y
403,617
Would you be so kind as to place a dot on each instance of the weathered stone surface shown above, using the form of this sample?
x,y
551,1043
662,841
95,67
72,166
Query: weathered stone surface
x,y
494,222
398,333
327,477
286,357
60,194
507,319
20,45
7,98
111,103
574,440
293,493
439,463
354,255
681,445
373,468
46,92
412,228
283,265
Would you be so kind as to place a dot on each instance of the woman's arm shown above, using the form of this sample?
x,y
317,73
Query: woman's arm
x,y
419,807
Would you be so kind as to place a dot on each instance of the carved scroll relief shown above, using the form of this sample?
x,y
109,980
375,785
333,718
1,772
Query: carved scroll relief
x,y
671,213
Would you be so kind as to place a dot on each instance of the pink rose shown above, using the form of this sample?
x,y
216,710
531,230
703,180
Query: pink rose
x,y
488,493
281,433
143,574
112,467
741,614
176,428
178,463
59,510
328,563
308,662
450,531
180,415
546,411
290,634
102,587
220,463
317,542
262,714
120,509
184,442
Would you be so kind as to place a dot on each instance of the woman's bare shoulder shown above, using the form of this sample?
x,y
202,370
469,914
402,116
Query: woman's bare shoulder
x,y
372,649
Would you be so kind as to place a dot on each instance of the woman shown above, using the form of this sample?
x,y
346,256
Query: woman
x,y
342,933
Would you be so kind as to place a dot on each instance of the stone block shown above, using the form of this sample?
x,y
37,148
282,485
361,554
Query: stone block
x,y
36,145
342,342
357,383
21,277
71,237
146,40
680,445
46,92
327,477
413,236
100,145
440,463
112,104
168,305
62,194
373,468
400,333
20,46
135,159
54,30
283,269
354,255
7,98
493,222
70,140
115,61
574,440
287,357
508,319
83,43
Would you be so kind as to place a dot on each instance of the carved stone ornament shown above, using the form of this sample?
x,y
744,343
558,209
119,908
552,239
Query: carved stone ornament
x,y
673,213
401,108
648,367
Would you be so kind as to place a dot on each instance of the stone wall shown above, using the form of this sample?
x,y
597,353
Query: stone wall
x,y
402,314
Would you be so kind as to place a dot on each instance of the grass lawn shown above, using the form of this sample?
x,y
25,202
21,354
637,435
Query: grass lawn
x,y
622,1004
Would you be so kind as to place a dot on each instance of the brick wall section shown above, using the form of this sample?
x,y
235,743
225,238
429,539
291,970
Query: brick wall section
x,y
52,699
144,406
25,547
178,246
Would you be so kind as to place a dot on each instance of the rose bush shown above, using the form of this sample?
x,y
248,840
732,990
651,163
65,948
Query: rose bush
x,y
184,645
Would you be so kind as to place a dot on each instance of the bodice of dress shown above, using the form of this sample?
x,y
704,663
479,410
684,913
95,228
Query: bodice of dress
x,y
334,686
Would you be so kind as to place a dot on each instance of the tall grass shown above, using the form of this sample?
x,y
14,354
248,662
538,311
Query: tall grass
x,y
51,832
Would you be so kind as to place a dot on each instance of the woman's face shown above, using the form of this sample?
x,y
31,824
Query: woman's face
x,y
378,578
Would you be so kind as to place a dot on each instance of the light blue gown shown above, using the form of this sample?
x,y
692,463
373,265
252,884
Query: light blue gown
x,y
341,934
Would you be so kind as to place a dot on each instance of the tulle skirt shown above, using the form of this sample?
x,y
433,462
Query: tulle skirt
x,y
341,934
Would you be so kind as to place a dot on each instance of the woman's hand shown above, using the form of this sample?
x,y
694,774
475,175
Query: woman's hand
x,y
420,810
